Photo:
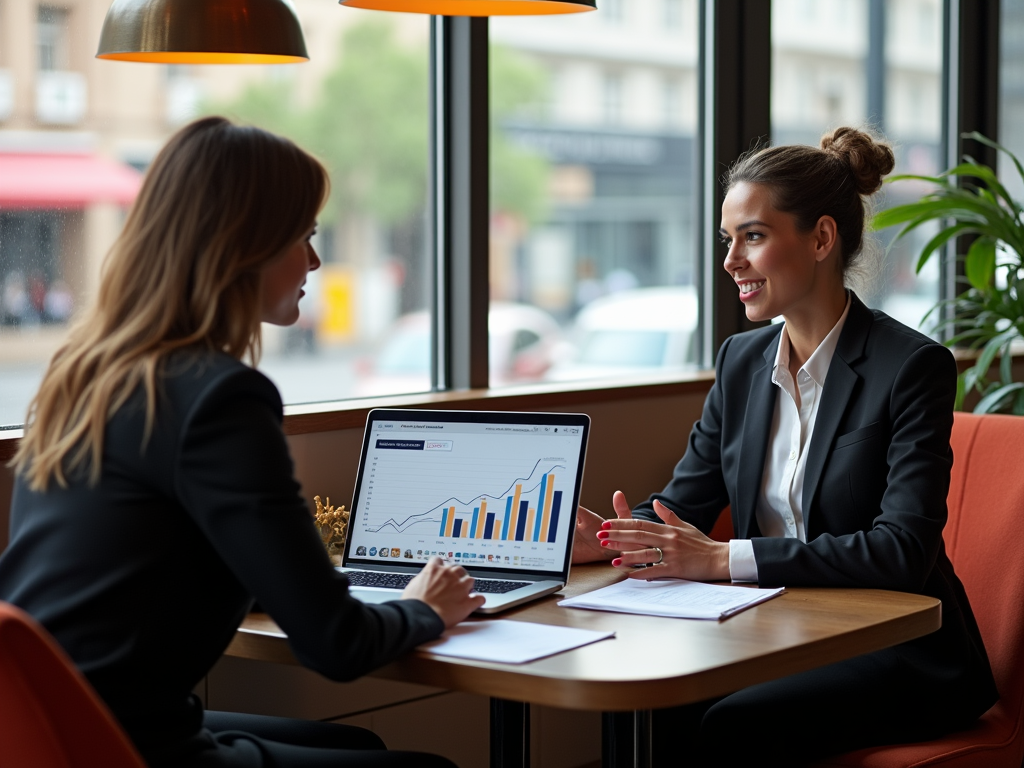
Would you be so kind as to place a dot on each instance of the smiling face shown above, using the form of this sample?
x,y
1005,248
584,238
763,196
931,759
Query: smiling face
x,y
283,278
778,269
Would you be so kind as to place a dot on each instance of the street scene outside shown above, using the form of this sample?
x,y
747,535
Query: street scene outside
x,y
593,176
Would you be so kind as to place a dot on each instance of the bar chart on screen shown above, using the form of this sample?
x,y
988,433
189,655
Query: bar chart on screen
x,y
471,496
525,509
521,521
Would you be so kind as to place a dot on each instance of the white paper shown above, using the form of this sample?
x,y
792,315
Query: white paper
x,y
510,642
675,598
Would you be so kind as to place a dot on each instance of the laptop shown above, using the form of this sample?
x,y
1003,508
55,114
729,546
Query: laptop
x,y
493,492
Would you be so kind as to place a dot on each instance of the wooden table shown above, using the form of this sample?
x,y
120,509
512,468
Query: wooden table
x,y
651,663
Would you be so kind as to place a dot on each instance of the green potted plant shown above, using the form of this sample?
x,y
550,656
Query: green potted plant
x,y
989,314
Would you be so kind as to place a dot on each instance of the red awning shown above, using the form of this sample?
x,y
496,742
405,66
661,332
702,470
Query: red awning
x,y
64,181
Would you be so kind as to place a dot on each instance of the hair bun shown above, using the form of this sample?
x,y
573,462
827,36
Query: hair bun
x,y
869,160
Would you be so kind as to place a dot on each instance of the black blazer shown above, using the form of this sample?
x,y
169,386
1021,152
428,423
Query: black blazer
x,y
875,486
144,577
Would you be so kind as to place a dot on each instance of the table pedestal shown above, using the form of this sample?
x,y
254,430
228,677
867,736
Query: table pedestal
x,y
510,734
626,739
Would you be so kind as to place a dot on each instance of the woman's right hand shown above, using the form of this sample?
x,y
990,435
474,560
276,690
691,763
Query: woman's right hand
x,y
448,589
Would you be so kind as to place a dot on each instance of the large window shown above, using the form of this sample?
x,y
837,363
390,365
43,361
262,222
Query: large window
x,y
361,105
76,135
593,179
603,161
875,63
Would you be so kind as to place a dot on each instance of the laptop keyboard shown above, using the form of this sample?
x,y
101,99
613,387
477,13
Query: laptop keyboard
x,y
400,580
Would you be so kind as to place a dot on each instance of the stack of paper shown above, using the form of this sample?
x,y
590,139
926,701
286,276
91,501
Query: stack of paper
x,y
675,598
511,642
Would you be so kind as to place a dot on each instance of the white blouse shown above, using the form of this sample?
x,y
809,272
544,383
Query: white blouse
x,y
779,508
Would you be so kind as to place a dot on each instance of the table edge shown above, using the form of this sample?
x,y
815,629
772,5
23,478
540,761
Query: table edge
x,y
508,681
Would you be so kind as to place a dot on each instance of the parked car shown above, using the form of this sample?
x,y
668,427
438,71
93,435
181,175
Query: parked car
x,y
523,341
631,332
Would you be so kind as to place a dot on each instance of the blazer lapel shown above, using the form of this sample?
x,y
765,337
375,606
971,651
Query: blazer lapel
x,y
757,425
835,396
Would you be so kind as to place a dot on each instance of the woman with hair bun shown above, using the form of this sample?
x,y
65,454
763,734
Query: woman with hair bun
x,y
154,493
828,436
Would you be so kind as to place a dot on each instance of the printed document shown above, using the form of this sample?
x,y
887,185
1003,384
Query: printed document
x,y
510,642
675,598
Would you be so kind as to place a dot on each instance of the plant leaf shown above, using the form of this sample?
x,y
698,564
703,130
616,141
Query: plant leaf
x,y
917,177
944,235
1006,368
985,174
990,403
992,348
1018,404
959,204
999,147
969,379
981,263
898,214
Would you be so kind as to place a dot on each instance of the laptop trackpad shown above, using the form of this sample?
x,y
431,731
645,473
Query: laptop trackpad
x,y
371,595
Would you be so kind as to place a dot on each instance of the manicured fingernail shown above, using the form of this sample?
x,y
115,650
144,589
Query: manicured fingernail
x,y
606,524
617,561
605,543
603,534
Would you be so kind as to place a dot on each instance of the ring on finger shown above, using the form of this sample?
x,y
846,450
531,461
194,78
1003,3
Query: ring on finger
x,y
661,555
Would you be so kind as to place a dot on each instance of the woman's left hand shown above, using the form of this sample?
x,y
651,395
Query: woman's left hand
x,y
686,553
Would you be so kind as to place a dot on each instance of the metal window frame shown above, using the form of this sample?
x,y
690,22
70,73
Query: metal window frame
x,y
460,201
734,113
970,102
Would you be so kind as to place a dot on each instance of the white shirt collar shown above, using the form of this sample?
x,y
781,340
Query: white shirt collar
x,y
818,363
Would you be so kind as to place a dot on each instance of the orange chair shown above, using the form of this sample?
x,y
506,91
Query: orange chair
x,y
985,540
722,531
50,717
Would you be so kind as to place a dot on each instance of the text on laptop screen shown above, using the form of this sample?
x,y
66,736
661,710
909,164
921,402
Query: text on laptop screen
x,y
484,495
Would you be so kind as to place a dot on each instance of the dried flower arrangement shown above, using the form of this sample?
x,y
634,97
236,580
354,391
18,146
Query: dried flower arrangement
x,y
332,525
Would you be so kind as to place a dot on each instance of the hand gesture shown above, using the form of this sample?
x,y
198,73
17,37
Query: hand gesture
x,y
587,548
448,589
675,549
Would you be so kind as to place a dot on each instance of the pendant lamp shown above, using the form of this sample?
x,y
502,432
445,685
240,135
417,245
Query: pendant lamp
x,y
202,32
477,7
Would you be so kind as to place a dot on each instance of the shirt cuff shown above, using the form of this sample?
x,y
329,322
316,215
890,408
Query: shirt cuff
x,y
742,566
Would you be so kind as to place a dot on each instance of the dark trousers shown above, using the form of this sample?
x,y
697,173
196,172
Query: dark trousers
x,y
232,740
867,701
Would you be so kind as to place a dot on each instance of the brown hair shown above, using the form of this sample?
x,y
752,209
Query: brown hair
x,y
217,204
809,183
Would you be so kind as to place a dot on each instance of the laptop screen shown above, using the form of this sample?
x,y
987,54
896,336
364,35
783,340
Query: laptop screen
x,y
492,491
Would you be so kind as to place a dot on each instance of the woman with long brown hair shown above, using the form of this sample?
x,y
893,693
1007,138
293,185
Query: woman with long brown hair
x,y
154,480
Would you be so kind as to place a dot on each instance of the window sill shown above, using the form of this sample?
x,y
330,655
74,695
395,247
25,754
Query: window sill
x,y
351,414
965,358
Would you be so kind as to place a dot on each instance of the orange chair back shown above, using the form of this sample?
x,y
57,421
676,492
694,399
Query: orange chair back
x,y
50,717
723,526
985,540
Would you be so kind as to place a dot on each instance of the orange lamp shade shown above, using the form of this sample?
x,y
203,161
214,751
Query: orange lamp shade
x,y
477,7
202,32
